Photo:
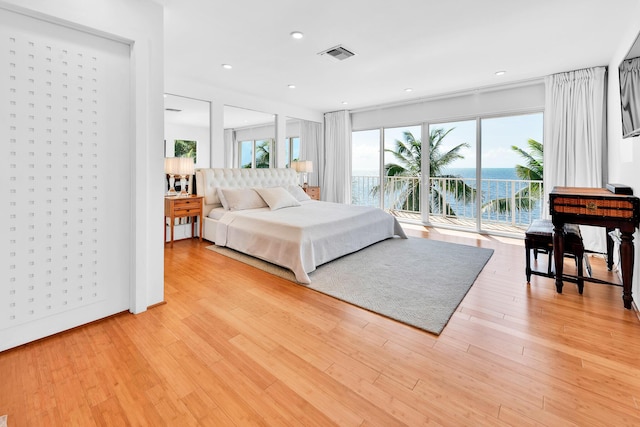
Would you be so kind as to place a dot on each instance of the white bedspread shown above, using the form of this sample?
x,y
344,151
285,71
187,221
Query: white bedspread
x,y
302,238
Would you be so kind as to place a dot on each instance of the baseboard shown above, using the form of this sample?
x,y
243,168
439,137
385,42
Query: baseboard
x,y
156,304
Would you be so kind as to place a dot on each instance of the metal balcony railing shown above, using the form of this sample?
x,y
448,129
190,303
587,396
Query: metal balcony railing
x,y
504,202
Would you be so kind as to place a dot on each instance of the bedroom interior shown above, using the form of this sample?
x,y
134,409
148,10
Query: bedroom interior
x,y
209,340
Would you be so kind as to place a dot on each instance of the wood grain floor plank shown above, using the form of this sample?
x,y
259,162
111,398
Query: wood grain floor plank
x,y
235,346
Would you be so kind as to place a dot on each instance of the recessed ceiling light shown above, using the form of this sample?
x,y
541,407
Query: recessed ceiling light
x,y
501,73
291,86
344,102
297,35
227,66
408,89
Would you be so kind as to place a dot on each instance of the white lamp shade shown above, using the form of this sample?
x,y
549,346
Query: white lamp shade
x,y
171,165
179,166
302,166
186,166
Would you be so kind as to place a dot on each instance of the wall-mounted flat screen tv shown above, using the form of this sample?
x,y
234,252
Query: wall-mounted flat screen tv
x,y
629,72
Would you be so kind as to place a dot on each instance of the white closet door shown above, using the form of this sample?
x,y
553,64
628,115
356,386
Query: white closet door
x,y
65,167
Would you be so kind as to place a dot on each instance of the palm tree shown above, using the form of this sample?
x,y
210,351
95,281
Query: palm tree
x,y
408,154
262,153
526,197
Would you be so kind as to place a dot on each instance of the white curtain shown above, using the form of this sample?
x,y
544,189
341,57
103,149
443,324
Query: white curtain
x,y
312,148
230,147
336,185
575,144
630,94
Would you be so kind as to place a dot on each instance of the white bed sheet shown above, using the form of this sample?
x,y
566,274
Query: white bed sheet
x,y
304,237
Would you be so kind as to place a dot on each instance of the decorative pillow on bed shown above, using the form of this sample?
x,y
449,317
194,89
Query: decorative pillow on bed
x,y
223,201
277,198
297,192
242,198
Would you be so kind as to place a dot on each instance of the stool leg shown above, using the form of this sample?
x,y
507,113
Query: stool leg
x,y
527,247
580,279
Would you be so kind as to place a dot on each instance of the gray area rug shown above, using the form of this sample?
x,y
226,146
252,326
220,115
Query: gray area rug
x,y
416,281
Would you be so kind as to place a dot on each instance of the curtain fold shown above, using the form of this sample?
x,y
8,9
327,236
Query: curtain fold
x,y
630,94
575,144
312,148
231,148
336,183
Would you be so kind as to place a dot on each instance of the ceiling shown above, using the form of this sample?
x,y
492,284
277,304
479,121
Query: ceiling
x,y
433,47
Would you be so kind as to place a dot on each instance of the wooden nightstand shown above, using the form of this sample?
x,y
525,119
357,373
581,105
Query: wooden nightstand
x,y
181,207
313,192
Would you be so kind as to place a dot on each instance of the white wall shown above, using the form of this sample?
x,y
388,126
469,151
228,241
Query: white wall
x,y
140,22
624,154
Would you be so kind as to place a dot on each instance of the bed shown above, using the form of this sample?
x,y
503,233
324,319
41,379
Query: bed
x,y
265,214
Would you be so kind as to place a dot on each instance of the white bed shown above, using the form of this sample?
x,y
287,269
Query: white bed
x,y
299,237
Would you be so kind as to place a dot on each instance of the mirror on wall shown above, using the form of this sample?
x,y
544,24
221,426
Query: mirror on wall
x,y
629,73
250,135
187,130
292,143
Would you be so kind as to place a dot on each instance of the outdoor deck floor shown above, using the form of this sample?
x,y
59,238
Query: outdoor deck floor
x,y
462,223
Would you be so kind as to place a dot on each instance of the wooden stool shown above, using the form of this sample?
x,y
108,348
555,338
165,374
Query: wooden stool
x,y
539,238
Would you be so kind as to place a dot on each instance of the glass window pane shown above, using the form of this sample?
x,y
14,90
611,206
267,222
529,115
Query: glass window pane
x,y
246,154
402,168
295,148
452,170
512,177
365,168
263,148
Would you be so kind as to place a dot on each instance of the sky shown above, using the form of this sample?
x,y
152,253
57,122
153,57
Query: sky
x,y
498,135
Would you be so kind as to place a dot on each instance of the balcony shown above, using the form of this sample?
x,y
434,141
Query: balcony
x,y
452,201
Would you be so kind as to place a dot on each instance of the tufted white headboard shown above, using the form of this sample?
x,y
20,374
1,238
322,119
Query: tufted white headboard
x,y
208,180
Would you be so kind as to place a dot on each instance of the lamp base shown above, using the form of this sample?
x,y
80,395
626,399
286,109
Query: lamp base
x,y
183,186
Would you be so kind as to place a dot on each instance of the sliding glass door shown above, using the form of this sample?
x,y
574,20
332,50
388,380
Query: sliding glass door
x,y
482,174
453,166
366,168
511,175
402,170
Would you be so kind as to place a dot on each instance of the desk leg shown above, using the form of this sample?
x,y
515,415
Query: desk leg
x,y
558,254
626,262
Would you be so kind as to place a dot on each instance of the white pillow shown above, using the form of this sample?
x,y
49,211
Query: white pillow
x,y
223,200
277,198
297,192
243,198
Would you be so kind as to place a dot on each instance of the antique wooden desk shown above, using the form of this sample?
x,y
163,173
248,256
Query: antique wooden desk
x,y
602,208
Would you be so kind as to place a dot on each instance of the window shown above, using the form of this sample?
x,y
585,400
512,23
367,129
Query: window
x,y
255,153
292,150
480,171
365,168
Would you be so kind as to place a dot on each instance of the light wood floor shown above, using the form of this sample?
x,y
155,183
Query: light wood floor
x,y
236,346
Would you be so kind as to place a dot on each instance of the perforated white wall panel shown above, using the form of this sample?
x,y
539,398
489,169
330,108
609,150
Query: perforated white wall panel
x,y
53,179
57,157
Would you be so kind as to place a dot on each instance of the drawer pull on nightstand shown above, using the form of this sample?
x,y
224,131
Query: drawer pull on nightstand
x,y
592,206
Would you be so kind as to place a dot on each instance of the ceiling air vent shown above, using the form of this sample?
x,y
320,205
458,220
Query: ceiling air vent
x,y
338,52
